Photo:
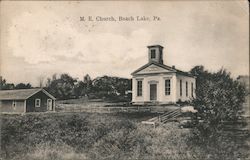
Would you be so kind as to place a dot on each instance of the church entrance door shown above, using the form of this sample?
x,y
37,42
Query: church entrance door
x,y
153,92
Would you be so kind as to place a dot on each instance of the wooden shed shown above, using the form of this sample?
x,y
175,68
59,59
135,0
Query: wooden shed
x,y
26,100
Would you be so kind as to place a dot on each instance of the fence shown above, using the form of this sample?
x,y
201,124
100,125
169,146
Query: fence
x,y
163,118
101,109
169,115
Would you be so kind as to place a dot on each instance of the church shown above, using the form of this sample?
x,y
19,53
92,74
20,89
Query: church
x,y
158,83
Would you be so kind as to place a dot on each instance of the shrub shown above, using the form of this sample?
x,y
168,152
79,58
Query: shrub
x,y
219,99
52,151
89,136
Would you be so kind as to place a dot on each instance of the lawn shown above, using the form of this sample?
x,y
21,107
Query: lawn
x,y
90,136
95,136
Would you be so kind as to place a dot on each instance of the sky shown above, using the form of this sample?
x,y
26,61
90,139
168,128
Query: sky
x,y
40,38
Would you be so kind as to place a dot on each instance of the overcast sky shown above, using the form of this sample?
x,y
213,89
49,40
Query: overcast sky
x,y
41,38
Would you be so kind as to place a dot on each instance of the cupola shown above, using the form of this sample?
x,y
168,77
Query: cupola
x,y
155,54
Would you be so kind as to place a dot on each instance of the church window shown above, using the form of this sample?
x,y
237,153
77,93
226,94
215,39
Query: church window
x,y
167,87
186,89
152,53
180,87
139,88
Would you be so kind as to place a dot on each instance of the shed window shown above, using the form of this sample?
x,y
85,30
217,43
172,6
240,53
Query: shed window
x,y
14,104
139,88
37,103
180,87
152,53
186,88
167,87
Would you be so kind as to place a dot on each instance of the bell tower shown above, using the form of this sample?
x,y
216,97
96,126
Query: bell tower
x,y
155,54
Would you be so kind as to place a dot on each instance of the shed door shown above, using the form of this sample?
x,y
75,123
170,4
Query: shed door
x,y
49,104
153,92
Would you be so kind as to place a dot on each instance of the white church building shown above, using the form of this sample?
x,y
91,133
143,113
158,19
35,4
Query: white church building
x,y
156,82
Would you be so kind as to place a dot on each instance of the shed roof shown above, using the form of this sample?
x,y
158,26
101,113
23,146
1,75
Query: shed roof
x,y
21,94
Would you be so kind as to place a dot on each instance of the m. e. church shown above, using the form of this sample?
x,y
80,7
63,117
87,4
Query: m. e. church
x,y
156,82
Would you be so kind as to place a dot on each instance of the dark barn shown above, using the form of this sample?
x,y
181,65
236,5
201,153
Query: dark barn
x,y
26,100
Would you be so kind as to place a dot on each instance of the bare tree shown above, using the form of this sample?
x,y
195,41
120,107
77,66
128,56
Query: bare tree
x,y
41,81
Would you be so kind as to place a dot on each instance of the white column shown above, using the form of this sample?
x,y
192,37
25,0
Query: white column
x,y
133,89
24,105
145,92
173,88
161,89
54,105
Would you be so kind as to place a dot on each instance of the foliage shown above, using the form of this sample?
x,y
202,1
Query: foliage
x,y
7,86
4,85
83,88
66,87
89,136
111,87
23,86
96,136
62,87
53,151
219,100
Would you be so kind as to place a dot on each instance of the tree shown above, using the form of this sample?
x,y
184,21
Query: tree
x,y
113,88
41,81
79,89
23,86
219,99
2,83
5,86
87,85
63,87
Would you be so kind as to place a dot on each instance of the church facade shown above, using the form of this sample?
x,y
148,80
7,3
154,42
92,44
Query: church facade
x,y
156,82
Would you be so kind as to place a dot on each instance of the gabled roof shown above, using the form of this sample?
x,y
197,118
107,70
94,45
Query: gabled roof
x,y
164,67
21,94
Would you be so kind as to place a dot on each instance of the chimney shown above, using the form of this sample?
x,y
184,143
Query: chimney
x,y
173,67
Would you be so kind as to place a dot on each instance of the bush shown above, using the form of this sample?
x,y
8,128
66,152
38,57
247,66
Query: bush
x,y
89,136
53,151
219,100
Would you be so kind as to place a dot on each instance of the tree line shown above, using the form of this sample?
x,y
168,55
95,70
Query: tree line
x,y
106,87
64,86
7,86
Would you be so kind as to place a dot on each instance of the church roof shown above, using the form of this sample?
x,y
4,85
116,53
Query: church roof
x,y
164,67
155,46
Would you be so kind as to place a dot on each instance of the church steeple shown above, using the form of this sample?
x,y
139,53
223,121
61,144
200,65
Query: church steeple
x,y
155,54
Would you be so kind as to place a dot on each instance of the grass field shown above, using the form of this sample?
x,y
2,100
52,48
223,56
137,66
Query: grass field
x,y
94,136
